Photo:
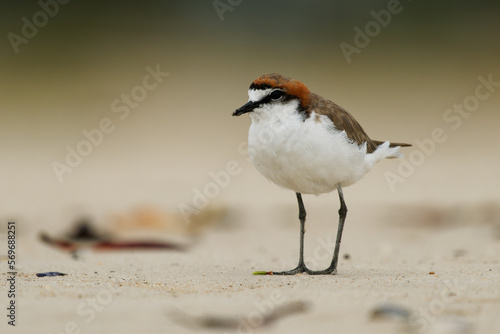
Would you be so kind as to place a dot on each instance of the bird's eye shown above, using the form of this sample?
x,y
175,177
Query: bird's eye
x,y
277,94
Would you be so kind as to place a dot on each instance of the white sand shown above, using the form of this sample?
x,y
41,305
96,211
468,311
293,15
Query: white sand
x,y
135,291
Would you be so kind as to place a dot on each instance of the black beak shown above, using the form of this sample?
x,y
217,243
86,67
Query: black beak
x,y
248,107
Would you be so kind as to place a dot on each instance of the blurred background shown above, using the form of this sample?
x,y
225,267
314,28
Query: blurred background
x,y
72,68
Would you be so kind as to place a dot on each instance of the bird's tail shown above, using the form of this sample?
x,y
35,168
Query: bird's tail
x,y
388,150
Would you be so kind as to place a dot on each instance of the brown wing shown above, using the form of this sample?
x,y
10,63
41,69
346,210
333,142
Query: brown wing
x,y
346,122
343,121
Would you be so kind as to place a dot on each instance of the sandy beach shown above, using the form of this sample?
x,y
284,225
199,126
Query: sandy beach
x,y
119,114
445,277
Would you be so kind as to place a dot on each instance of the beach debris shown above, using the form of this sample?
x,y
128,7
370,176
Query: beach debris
x,y
83,230
138,229
390,312
85,236
73,245
262,272
50,274
238,322
445,324
459,252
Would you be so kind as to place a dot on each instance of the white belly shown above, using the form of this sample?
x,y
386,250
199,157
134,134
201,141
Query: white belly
x,y
308,157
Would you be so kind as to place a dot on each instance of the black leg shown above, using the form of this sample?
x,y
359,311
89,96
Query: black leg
x,y
332,269
301,267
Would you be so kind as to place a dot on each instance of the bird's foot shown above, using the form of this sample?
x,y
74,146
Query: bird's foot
x,y
328,271
301,268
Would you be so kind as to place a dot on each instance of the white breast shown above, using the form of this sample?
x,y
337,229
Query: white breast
x,y
307,156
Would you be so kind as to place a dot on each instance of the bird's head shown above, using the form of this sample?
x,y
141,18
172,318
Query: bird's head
x,y
274,95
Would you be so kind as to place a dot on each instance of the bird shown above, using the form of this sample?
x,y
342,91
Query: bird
x,y
308,144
